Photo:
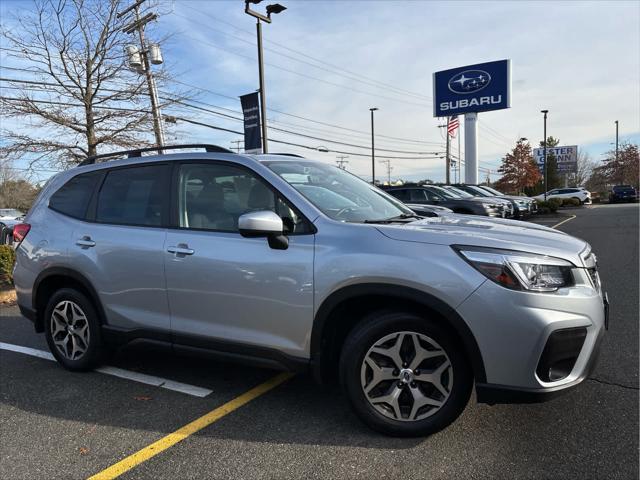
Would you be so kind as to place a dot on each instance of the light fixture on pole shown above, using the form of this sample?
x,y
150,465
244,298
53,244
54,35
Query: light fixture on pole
x,y
271,9
373,149
544,154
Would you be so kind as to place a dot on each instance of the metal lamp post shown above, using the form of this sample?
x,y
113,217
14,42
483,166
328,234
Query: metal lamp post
x,y
373,150
271,9
544,154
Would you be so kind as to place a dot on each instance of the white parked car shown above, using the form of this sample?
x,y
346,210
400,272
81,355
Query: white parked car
x,y
579,193
10,214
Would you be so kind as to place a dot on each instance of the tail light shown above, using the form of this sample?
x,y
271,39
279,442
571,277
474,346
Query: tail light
x,y
20,231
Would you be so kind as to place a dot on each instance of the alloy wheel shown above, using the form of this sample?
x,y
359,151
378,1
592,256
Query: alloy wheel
x,y
406,376
70,330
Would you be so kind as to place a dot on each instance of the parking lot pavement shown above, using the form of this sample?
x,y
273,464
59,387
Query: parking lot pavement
x,y
58,424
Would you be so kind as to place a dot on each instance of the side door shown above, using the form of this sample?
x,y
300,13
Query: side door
x,y
120,248
226,291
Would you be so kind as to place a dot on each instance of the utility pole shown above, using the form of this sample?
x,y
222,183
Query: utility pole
x,y
341,161
544,154
373,149
271,9
138,25
387,162
448,157
237,147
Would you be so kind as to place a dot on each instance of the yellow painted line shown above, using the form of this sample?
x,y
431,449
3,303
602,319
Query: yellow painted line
x,y
170,440
564,221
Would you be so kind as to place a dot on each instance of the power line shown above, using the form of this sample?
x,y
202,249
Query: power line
x,y
307,56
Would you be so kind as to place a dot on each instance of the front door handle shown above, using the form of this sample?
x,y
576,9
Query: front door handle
x,y
85,242
181,249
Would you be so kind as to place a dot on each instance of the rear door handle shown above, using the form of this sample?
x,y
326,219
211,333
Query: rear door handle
x,y
181,249
85,242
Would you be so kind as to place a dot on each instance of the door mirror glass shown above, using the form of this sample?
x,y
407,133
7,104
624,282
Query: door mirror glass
x,y
260,224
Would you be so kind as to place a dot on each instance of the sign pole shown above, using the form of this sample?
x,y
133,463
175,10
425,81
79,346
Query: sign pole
x,y
448,156
471,148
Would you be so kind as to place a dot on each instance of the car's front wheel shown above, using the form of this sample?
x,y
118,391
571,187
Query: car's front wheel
x,y
72,330
405,375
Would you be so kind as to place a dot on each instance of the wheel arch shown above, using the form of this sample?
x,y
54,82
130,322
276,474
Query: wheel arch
x,y
329,332
55,278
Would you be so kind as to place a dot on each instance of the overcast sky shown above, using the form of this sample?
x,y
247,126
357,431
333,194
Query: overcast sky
x,y
580,60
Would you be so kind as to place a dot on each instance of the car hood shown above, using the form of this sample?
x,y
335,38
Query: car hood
x,y
453,229
435,208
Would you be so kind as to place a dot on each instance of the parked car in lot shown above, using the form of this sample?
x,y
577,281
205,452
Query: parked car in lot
x,y
577,193
520,206
434,195
523,206
10,214
623,193
291,263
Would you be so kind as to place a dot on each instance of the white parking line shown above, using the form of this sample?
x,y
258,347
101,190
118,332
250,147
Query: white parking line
x,y
564,221
119,372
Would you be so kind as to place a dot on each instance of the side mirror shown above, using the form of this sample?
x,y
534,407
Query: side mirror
x,y
264,223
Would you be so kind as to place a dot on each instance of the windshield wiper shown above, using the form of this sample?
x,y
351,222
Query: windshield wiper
x,y
397,218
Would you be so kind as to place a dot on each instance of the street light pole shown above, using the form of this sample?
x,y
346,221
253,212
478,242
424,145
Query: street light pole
x,y
616,141
544,146
373,149
263,93
271,9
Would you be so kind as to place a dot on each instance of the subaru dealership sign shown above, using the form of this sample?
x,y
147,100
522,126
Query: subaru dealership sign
x,y
474,88
566,157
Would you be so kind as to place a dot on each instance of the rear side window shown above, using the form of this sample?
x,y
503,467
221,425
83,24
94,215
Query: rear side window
x,y
73,197
402,195
135,196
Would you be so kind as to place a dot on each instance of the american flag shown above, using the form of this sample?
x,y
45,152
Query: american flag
x,y
452,126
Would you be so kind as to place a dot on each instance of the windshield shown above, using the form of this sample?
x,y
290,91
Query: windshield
x,y
337,193
480,192
459,192
445,192
491,190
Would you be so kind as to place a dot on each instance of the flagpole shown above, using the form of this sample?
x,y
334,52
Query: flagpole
x,y
448,161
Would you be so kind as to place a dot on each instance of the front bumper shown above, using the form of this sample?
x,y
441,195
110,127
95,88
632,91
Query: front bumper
x,y
512,329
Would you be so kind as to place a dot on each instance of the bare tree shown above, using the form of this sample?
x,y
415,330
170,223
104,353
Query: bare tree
x,y
81,97
584,168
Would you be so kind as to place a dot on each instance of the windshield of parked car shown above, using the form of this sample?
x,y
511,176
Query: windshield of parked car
x,y
445,192
491,190
457,191
339,194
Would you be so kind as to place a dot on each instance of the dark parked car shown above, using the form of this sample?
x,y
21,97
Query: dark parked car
x,y
523,206
623,193
520,205
434,195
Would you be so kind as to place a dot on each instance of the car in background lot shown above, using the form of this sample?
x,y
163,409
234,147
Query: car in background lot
x,y
505,204
434,195
10,214
623,193
524,206
580,194
519,206
292,263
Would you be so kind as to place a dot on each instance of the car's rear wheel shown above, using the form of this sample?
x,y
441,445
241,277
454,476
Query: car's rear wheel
x,y
72,330
404,375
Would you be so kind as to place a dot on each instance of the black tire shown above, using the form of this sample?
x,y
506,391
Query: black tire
x,y
94,351
580,202
369,331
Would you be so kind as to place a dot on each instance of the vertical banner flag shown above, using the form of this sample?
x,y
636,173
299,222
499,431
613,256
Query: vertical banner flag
x,y
251,112
452,126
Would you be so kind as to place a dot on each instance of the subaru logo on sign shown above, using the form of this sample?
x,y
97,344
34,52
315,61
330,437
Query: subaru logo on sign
x,y
469,81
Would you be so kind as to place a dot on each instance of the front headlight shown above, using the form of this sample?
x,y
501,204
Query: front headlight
x,y
519,270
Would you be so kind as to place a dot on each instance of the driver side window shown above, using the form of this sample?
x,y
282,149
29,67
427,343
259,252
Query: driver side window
x,y
213,197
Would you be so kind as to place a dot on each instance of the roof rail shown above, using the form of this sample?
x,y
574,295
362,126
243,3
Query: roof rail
x,y
139,151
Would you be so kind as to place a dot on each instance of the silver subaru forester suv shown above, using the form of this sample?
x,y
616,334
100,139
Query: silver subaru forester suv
x,y
291,263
